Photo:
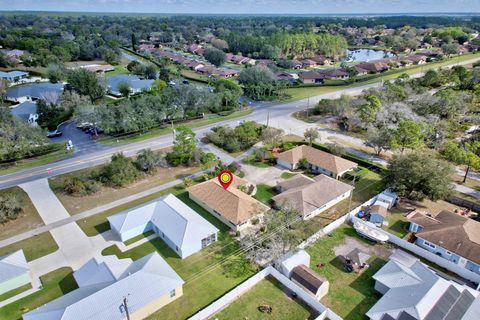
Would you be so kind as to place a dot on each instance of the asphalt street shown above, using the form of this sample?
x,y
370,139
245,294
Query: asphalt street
x,y
99,154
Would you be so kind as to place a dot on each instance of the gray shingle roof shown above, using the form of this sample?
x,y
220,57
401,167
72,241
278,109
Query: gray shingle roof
x,y
35,90
24,110
135,83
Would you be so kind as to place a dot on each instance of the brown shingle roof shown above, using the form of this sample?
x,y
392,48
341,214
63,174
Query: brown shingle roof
x,y
310,75
309,197
232,204
294,182
307,278
455,233
318,158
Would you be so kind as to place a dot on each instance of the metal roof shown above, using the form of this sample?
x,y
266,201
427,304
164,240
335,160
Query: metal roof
x,y
133,81
12,265
143,282
34,90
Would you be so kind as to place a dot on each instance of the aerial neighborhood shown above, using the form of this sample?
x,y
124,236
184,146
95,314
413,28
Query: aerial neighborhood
x,y
239,166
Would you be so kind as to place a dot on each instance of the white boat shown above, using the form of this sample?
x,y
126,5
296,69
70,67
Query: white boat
x,y
370,232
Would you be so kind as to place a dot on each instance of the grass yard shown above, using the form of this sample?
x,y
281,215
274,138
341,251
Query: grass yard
x,y
118,70
264,193
28,219
55,284
209,119
33,162
287,175
397,223
267,292
351,295
33,247
138,238
106,195
206,279
14,292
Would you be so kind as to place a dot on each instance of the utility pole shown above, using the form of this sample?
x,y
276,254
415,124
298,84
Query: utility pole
x,y
268,117
351,194
173,130
126,307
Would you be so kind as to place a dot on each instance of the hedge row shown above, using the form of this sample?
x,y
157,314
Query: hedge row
x,y
33,152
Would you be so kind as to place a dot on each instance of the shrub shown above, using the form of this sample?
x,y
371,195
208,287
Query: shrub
x,y
10,207
120,171
75,186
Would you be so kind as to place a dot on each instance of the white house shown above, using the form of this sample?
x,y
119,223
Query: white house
x,y
14,271
146,285
413,290
182,229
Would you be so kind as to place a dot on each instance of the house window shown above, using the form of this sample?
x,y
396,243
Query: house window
x,y
431,245
176,248
448,252
172,293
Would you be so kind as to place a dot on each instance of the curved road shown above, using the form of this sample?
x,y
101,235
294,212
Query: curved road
x,y
96,157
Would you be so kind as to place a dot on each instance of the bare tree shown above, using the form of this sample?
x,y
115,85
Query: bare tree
x,y
311,134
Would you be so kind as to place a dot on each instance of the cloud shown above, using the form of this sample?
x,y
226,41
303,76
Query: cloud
x,y
247,6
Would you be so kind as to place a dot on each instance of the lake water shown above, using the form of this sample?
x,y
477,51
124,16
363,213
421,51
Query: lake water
x,y
364,55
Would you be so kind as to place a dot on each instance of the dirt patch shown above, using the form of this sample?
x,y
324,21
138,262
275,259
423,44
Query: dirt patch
x,y
351,243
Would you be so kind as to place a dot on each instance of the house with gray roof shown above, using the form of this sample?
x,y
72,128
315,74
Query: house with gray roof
x,y
146,284
26,111
14,271
178,225
134,82
412,290
13,76
33,92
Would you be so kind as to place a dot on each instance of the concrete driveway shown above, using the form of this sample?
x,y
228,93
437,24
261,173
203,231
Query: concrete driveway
x,y
269,176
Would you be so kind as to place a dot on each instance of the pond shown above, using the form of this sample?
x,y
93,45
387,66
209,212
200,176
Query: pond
x,y
365,55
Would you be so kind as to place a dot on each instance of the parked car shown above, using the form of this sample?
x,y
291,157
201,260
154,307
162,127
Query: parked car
x,y
83,125
54,133
186,82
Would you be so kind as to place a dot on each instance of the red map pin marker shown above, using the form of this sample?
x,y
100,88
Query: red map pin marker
x,y
225,178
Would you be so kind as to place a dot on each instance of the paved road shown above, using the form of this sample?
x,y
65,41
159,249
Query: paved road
x,y
96,157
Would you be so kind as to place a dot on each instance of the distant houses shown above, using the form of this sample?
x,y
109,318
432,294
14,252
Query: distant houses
x,y
450,236
311,77
14,271
318,161
148,284
13,76
181,228
232,206
96,68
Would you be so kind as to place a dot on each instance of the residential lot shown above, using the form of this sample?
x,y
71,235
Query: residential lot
x,y
351,295
33,247
28,219
268,292
208,274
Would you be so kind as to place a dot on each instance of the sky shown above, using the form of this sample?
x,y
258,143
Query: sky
x,y
246,6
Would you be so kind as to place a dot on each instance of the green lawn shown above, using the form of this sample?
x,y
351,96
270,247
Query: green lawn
x,y
397,223
264,193
138,238
118,70
33,162
55,284
287,175
28,219
33,247
206,278
14,292
209,119
267,292
350,295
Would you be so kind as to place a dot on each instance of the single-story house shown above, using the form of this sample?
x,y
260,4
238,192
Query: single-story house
x,y
13,76
310,77
292,259
27,111
145,47
34,91
307,63
413,291
15,53
373,66
450,236
296,64
266,62
14,271
135,83
417,59
360,71
378,213
238,59
97,68
178,225
194,65
193,48
225,73
334,74
232,206
146,284
285,76
322,60
310,281
309,196
318,161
